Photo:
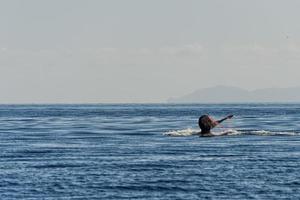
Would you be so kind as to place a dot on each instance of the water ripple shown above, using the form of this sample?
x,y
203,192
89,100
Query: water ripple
x,y
120,152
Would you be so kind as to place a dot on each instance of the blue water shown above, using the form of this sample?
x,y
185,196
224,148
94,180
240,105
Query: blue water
x,y
122,152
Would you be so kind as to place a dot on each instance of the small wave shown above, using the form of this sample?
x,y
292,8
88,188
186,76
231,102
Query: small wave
x,y
58,166
142,120
56,145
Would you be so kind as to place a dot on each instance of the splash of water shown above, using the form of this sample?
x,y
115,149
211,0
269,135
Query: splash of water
x,y
182,133
191,132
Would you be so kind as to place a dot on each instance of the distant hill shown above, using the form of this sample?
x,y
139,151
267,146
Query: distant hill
x,y
226,94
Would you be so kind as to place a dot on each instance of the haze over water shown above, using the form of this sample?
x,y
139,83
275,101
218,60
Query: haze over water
x,y
120,151
68,51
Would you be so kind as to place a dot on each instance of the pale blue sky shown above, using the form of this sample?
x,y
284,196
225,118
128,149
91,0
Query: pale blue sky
x,y
71,51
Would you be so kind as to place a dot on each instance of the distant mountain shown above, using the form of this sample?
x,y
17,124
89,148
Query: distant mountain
x,y
226,94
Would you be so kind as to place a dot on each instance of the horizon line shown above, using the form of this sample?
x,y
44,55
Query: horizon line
x,y
153,103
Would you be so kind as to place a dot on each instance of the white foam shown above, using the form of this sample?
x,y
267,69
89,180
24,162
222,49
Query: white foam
x,y
264,132
218,132
182,133
227,132
190,132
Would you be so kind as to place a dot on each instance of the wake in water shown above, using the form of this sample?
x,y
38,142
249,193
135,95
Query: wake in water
x,y
272,133
191,132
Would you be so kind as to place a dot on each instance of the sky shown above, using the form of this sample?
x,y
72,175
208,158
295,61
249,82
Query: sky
x,y
144,51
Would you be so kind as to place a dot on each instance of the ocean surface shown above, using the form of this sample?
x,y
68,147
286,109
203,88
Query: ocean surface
x,y
149,151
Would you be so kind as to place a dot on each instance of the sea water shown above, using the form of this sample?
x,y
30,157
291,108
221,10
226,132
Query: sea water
x,y
128,151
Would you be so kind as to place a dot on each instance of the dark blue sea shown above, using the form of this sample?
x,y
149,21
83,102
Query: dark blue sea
x,y
149,151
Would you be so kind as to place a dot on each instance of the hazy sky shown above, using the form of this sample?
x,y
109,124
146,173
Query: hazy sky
x,y
101,51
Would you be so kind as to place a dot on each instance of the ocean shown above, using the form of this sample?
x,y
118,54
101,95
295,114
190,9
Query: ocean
x,y
149,151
